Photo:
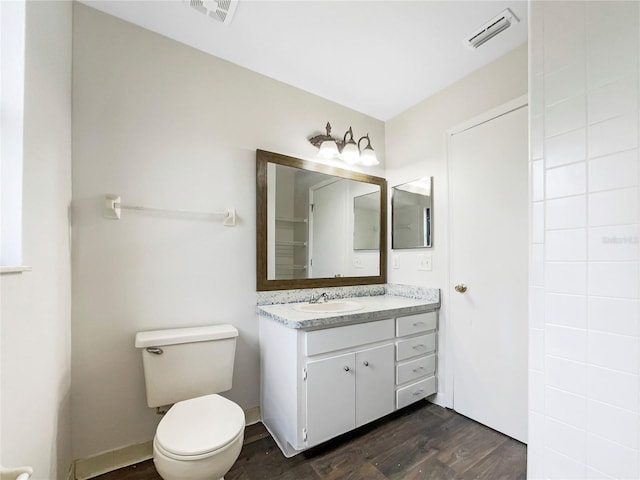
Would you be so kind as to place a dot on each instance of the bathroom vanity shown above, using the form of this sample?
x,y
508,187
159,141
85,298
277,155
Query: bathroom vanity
x,y
325,373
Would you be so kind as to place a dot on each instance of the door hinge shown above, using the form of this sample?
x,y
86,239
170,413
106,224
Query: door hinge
x,y
304,434
312,205
304,374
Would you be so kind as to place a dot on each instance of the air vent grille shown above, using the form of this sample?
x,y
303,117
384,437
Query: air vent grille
x,y
492,28
220,10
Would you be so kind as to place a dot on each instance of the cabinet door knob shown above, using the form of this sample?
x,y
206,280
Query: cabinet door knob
x,y
346,368
365,363
460,288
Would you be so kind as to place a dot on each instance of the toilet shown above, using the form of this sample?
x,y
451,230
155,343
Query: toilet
x,y
201,435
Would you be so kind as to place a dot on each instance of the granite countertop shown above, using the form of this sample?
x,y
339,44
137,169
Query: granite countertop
x,y
376,307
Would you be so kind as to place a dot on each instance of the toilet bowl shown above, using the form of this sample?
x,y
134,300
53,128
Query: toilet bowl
x,y
199,439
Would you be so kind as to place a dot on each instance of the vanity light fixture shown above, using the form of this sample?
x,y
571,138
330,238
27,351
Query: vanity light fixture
x,y
346,149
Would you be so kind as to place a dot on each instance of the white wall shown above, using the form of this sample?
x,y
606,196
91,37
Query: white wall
x,y
416,147
584,347
162,124
35,324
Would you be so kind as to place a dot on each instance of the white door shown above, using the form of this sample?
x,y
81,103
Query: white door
x,y
489,255
328,230
375,383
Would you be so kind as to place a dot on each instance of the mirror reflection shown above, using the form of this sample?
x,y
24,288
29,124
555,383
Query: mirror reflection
x,y
366,221
306,223
411,214
320,225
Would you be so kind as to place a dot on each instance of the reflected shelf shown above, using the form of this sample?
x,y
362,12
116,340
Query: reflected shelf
x,y
282,243
291,220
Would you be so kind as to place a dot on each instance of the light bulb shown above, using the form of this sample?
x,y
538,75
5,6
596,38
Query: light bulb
x,y
328,149
368,157
350,153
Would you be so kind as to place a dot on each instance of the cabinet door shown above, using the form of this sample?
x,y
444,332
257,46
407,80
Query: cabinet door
x,y
374,383
330,397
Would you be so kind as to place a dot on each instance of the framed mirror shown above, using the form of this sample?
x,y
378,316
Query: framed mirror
x,y
317,225
412,214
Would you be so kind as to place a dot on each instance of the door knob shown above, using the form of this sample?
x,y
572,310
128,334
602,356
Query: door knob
x,y
461,288
346,368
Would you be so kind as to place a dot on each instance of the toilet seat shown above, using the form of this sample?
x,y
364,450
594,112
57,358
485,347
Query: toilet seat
x,y
198,427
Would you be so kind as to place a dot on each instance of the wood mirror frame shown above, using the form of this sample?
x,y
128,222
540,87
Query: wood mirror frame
x,y
262,282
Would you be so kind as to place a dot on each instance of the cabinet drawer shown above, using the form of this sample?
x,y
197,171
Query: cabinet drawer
x,y
337,338
414,392
413,369
412,347
422,322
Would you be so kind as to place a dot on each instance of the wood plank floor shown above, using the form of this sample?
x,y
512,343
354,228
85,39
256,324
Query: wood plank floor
x,y
420,442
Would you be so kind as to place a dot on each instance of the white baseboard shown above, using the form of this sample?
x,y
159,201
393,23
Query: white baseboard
x,y
71,474
252,415
90,467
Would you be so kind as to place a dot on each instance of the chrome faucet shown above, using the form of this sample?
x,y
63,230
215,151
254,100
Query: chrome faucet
x,y
322,298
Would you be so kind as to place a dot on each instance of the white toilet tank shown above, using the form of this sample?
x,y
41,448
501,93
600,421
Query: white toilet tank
x,y
184,363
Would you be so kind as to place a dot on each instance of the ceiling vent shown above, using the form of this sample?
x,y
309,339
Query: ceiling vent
x,y
490,29
221,10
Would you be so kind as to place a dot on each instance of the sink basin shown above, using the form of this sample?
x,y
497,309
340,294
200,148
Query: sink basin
x,y
329,307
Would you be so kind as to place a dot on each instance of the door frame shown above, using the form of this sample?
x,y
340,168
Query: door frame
x,y
446,398
310,223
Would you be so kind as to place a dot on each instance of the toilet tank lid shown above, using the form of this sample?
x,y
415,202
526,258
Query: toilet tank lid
x,y
176,336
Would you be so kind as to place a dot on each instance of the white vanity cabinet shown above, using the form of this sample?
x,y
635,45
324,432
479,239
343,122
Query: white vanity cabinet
x,y
415,357
348,390
318,384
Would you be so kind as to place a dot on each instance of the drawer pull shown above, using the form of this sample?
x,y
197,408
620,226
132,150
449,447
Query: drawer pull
x,y
418,324
418,369
365,363
346,368
418,392
419,346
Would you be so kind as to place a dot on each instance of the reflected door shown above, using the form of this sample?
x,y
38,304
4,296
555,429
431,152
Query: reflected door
x,y
489,254
328,224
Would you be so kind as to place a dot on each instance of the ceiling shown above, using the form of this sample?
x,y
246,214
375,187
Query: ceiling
x,y
376,57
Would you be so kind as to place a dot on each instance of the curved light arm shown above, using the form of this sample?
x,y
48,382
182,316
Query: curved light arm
x,y
350,133
368,142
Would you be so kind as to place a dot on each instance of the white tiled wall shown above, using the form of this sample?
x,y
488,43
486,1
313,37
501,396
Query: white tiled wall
x,y
584,346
